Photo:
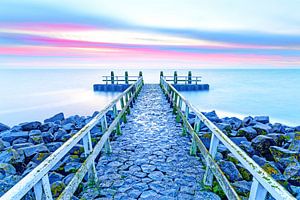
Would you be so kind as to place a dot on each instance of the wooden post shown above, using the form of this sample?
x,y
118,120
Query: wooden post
x,y
126,77
175,103
126,100
161,73
104,126
257,191
118,128
208,176
179,110
112,77
189,77
175,77
47,187
122,106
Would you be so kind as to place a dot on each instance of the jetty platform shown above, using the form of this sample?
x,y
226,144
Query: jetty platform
x,y
150,150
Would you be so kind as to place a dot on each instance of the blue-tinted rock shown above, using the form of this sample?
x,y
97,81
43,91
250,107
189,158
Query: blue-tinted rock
x,y
6,169
60,135
261,145
206,195
53,177
246,146
279,138
259,160
19,141
230,170
28,126
272,169
57,117
57,187
279,153
68,178
248,132
149,194
295,144
46,126
235,123
47,137
247,121
292,173
72,167
156,175
12,156
68,127
242,187
10,136
53,146
21,145
4,127
32,150
262,119
40,157
212,116
262,129
278,128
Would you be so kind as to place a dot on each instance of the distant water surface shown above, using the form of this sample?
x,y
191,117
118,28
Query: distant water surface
x,y
28,95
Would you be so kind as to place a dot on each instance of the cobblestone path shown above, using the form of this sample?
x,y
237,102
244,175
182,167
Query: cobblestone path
x,y
151,160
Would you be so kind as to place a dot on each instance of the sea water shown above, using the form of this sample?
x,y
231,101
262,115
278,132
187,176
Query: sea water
x,y
36,94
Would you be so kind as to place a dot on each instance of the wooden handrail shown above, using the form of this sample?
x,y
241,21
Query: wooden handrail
x,y
38,177
262,181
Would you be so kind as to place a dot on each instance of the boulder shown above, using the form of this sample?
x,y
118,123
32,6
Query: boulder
x,y
292,173
68,178
259,160
36,139
54,177
46,126
242,187
2,145
29,167
40,157
68,127
28,126
248,132
279,138
77,149
224,127
60,135
47,137
271,169
19,141
262,119
230,171
261,145
278,128
32,150
53,146
248,121
57,187
279,153
10,136
262,129
244,172
21,145
72,167
295,144
235,123
297,128
57,117
6,169
12,156
246,146
212,116
4,127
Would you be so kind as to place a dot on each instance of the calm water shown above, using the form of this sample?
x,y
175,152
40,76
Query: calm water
x,y
37,94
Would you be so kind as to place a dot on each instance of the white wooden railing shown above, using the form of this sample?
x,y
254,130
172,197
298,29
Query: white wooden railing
x,y
262,183
38,178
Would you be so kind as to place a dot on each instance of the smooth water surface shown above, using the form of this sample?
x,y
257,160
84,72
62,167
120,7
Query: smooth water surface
x,y
28,95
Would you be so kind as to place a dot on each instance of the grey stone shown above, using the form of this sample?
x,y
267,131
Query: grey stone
x,y
206,195
149,194
148,168
261,145
3,127
230,170
156,175
262,129
72,167
32,150
248,132
10,136
262,119
57,117
28,126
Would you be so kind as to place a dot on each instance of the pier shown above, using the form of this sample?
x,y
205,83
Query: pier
x,y
150,150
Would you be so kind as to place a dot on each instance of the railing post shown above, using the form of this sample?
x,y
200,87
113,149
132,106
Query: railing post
x,y
175,77
208,176
47,187
175,103
126,77
112,77
126,100
115,111
257,192
38,190
122,106
189,77
179,110
161,73
104,126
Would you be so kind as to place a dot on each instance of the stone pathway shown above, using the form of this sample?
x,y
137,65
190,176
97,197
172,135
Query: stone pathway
x,y
151,159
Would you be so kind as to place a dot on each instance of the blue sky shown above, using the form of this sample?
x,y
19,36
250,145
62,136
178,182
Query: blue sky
x,y
196,33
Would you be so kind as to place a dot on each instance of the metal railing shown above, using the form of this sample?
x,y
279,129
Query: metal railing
x,y
119,79
262,181
183,79
38,178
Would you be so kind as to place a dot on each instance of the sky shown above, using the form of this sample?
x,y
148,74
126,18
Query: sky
x,y
143,33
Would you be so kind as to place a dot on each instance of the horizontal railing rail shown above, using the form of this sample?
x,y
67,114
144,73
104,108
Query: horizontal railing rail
x,y
38,178
262,183
183,79
119,79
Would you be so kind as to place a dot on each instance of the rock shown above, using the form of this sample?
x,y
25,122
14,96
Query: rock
x,y
4,127
46,126
278,138
5,186
212,116
21,145
57,187
295,144
259,160
261,145
292,173
149,194
230,170
271,169
12,156
238,140
29,167
40,157
72,167
242,187
19,141
68,178
28,126
53,146
246,146
77,149
54,177
6,170
297,128
262,129
262,119
47,137
296,191
284,162
244,172
224,127
35,137
156,175
235,123
10,136
2,145
32,150
278,128
60,135
248,132
57,117
68,127
279,153
247,121
206,195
